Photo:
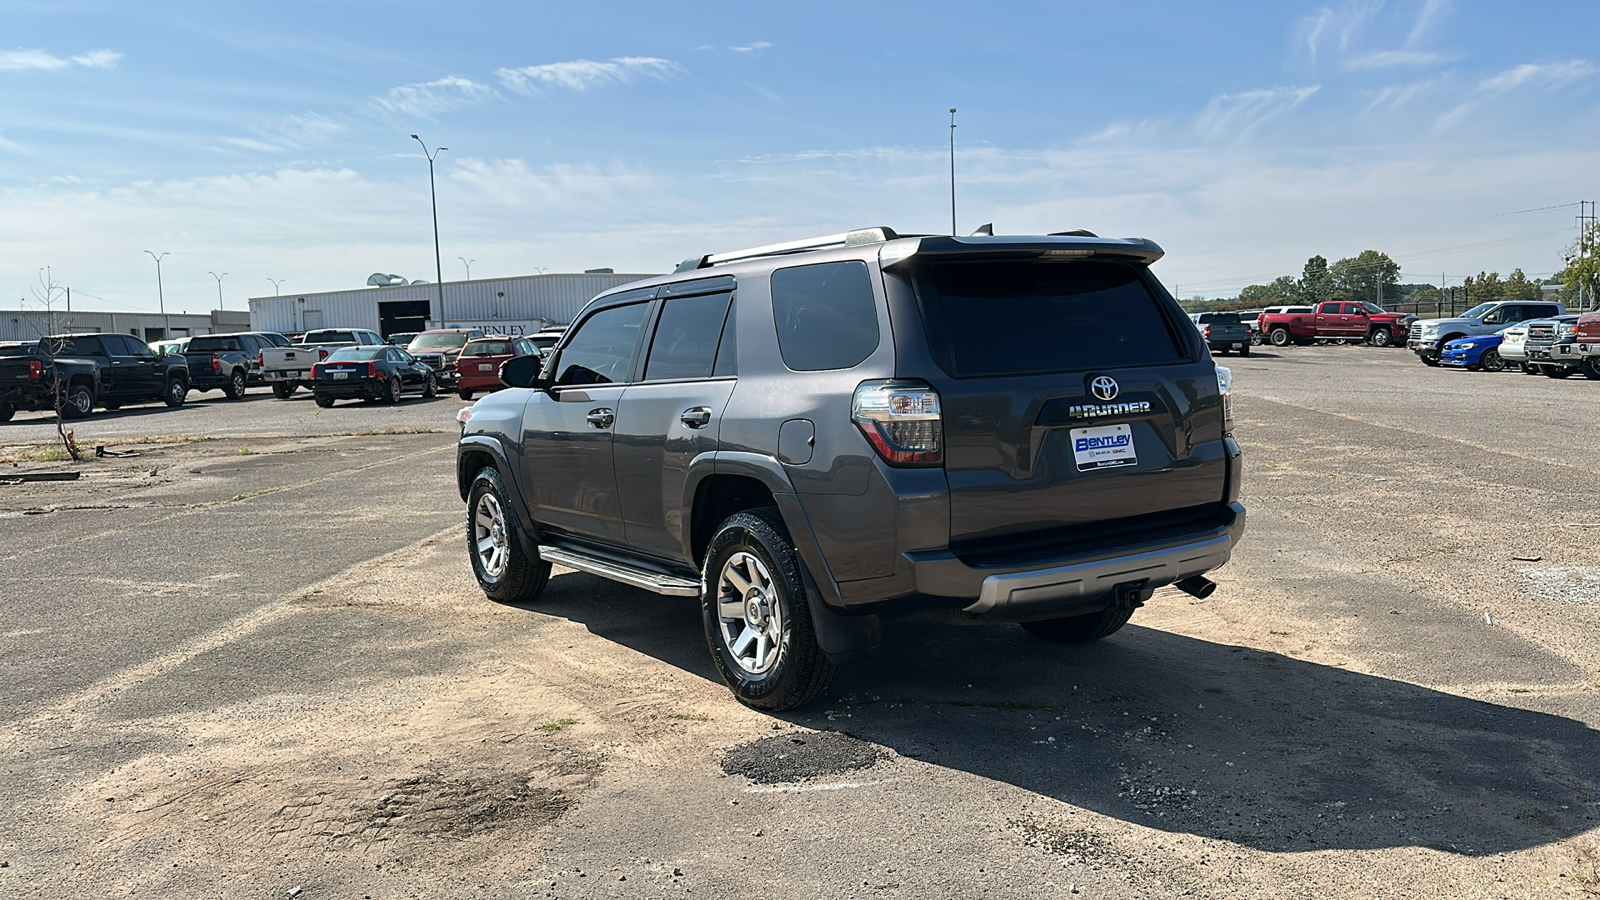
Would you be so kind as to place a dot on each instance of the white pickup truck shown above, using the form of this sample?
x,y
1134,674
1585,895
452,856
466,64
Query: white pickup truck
x,y
289,368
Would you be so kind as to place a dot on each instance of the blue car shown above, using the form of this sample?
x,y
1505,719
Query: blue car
x,y
1480,353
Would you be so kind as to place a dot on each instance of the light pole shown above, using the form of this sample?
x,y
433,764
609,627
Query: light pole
x,y
219,286
952,171
468,263
433,193
275,283
161,297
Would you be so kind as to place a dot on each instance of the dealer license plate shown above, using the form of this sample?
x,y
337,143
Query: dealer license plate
x,y
485,367
338,375
1103,447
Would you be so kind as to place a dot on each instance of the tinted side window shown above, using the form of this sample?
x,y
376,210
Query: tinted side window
x,y
826,316
728,347
81,346
685,345
603,348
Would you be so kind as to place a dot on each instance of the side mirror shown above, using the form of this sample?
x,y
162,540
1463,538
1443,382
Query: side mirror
x,y
523,372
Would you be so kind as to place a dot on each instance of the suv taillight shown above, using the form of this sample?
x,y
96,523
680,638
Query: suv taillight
x,y
1205,332
261,359
1225,387
35,370
901,420
321,353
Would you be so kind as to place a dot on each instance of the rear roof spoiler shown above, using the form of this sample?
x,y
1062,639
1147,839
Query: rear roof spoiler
x,y
898,248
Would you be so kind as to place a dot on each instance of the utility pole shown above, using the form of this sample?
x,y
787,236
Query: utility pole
x,y
161,296
468,263
952,171
219,286
438,267
275,283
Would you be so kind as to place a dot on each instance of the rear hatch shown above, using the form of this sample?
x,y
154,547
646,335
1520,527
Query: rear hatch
x,y
1223,327
1077,404
17,364
334,372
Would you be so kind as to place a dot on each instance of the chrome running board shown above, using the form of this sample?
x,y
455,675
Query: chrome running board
x,y
651,581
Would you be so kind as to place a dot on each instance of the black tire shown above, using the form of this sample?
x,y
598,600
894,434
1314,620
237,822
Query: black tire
x,y
795,672
6,412
1490,361
236,385
1529,369
1591,367
1558,372
430,388
1279,337
1429,359
1380,337
175,392
1303,342
324,402
283,390
391,394
1080,629
79,401
464,394
505,571
1245,350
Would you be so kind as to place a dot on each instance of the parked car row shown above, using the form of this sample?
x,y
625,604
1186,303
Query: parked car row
x,y
1332,320
80,372
1556,347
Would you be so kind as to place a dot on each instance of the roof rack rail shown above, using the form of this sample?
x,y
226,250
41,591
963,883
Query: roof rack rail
x,y
855,238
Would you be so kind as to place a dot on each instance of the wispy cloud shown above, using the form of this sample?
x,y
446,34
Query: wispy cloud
x,y
1389,59
1235,115
430,97
39,59
584,74
1528,76
751,47
1341,36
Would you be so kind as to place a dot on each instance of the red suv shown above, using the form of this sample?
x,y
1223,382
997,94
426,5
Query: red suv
x,y
478,366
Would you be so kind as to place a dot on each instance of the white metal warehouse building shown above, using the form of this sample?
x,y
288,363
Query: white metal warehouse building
x,y
520,305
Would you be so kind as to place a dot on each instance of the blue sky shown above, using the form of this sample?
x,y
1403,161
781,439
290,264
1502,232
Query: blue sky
x,y
270,140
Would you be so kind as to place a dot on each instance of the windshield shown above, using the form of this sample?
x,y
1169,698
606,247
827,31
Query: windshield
x,y
1019,317
446,341
488,348
1478,312
356,354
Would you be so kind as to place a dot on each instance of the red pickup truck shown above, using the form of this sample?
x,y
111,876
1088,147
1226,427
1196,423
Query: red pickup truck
x,y
1336,320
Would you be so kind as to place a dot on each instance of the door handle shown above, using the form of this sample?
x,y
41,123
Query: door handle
x,y
699,417
601,418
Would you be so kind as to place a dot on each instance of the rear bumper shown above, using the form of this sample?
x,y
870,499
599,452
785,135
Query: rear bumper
x,y
349,390
28,396
485,381
1053,588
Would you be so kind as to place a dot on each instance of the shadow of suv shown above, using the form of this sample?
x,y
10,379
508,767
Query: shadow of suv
x,y
809,436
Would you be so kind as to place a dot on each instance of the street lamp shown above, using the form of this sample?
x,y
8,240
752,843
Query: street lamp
x,y
219,286
438,265
952,171
161,297
468,263
275,283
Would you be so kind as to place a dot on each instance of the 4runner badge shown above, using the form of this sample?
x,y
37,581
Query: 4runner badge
x,y
1105,388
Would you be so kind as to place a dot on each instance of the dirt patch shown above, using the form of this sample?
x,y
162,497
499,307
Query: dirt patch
x,y
798,757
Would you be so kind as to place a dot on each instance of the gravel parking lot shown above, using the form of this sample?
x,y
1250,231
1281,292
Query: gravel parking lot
x,y
256,665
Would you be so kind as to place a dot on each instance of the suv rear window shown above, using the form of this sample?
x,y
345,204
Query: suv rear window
x,y
1219,318
1024,317
825,314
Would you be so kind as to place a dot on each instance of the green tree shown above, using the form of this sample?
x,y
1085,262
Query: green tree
x,y
1281,291
1316,285
1360,277
1518,287
1485,287
1580,280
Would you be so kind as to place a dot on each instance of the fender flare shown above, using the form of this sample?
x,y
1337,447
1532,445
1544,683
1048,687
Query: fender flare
x,y
527,529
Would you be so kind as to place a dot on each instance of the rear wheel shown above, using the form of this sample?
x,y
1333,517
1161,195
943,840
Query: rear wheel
x,y
235,387
6,412
757,615
504,569
79,401
174,393
464,394
1245,350
1280,337
430,388
1557,372
324,402
283,390
1080,629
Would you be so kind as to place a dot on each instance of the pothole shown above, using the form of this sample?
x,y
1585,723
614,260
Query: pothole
x,y
797,757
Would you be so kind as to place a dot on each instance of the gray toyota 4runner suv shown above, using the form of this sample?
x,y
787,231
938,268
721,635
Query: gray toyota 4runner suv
x,y
809,436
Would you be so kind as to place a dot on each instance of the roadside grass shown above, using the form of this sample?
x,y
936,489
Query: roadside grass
x,y
48,454
1587,872
555,725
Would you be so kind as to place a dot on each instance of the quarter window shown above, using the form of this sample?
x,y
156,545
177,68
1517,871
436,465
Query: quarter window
x,y
685,344
825,314
603,349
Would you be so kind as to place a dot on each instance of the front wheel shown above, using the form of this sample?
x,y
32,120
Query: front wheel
x,y
175,392
1557,372
430,388
503,567
1245,350
757,616
392,394
1080,629
1381,337
6,412
235,387
1280,337
283,390
1490,361
1429,359
1591,367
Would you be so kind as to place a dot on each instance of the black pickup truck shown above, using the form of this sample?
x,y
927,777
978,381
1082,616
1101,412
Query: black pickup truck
x,y
230,362
91,370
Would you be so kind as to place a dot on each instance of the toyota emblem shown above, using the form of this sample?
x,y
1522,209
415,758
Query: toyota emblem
x,y
1104,387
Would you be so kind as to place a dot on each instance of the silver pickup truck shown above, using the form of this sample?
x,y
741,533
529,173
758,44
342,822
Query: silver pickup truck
x,y
289,368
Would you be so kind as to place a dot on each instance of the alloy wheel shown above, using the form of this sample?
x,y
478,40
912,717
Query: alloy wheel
x,y
750,614
489,535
